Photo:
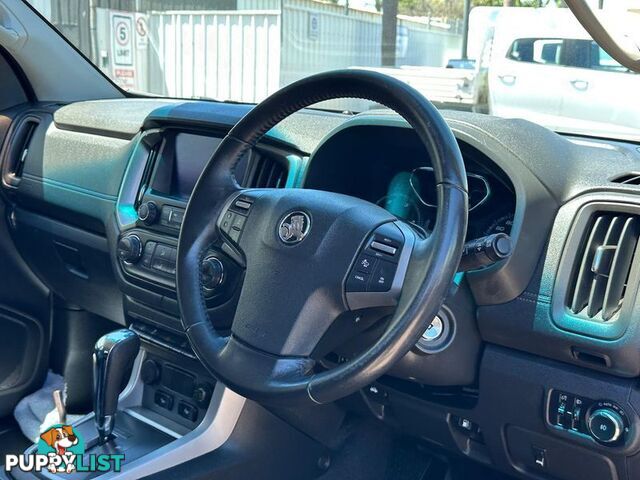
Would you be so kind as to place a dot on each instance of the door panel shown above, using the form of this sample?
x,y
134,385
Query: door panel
x,y
24,300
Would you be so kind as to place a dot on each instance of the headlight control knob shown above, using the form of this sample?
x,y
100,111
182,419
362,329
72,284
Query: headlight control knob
x,y
605,425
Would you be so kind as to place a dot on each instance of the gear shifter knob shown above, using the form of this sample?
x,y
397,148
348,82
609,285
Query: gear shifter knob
x,y
113,357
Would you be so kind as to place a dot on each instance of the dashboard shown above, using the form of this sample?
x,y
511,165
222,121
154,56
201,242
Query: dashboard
x,y
95,195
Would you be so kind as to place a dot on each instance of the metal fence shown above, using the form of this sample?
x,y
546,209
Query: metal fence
x,y
242,54
225,55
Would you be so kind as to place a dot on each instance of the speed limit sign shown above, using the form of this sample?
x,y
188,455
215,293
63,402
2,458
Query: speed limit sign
x,y
122,34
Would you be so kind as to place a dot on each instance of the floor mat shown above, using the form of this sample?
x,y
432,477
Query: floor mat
x,y
36,412
364,456
12,441
375,452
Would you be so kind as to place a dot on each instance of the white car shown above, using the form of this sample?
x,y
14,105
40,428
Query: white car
x,y
565,82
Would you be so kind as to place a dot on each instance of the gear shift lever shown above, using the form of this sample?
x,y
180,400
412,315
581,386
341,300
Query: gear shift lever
x,y
113,357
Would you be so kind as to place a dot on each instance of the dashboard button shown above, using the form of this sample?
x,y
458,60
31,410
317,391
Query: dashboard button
x,y
382,277
164,400
187,411
176,216
357,282
163,252
147,256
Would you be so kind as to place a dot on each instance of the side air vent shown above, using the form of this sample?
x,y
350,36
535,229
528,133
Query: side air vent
x,y
603,261
627,179
264,172
19,150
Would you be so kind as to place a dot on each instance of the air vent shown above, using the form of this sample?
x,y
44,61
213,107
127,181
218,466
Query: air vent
x,y
264,172
19,150
603,263
146,174
627,179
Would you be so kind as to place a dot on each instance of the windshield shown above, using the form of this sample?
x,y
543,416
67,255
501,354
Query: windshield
x,y
532,60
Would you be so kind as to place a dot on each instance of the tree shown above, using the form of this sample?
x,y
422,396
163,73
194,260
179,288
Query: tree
x,y
454,8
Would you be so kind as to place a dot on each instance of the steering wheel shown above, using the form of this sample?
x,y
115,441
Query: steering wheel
x,y
307,255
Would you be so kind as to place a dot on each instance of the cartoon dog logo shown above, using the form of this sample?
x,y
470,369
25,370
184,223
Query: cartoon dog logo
x,y
60,439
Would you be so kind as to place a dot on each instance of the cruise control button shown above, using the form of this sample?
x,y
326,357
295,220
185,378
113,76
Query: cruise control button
x,y
357,282
382,277
365,263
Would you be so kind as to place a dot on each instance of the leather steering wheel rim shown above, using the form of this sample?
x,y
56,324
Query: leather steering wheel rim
x,y
291,379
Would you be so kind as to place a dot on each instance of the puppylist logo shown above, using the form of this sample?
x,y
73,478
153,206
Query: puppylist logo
x,y
61,450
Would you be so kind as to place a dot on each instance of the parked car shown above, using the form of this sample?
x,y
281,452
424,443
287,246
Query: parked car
x,y
530,57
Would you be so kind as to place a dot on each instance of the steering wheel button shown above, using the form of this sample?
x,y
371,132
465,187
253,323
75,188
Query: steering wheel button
x,y
234,234
227,222
238,222
365,263
384,248
382,277
357,282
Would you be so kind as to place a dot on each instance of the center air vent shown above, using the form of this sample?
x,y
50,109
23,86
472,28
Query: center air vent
x,y
603,262
264,172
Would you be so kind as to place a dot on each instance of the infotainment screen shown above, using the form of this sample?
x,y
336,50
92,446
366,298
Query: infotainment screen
x,y
180,163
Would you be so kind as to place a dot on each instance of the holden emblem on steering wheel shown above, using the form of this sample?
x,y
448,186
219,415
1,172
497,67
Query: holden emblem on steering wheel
x,y
294,227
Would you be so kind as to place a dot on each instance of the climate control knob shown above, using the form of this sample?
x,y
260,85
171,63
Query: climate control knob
x,y
130,248
147,213
605,425
212,273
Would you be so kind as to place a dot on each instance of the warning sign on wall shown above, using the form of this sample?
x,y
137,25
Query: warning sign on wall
x,y
122,39
142,31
